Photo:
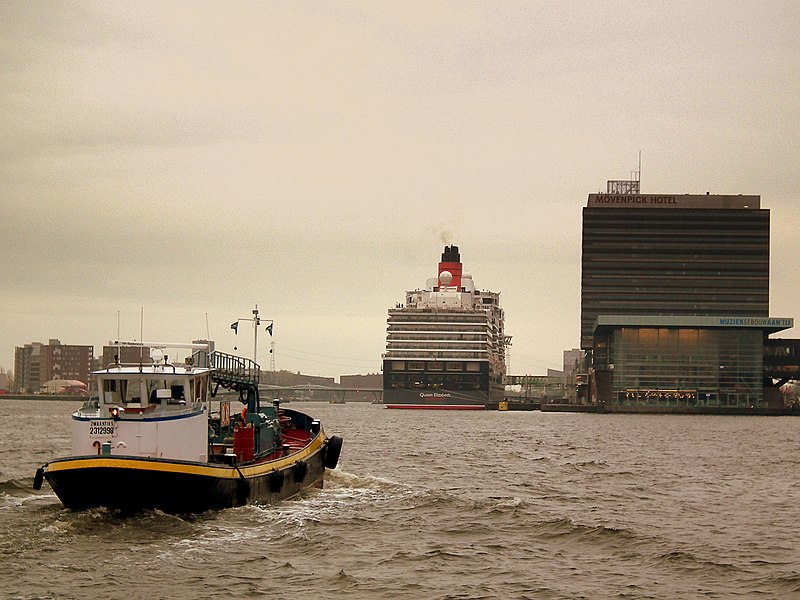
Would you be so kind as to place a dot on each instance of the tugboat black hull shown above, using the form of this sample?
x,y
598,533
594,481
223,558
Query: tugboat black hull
x,y
131,483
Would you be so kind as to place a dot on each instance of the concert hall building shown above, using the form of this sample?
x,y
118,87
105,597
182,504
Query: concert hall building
x,y
675,302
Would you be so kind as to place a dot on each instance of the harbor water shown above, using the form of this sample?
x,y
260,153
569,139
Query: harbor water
x,y
440,505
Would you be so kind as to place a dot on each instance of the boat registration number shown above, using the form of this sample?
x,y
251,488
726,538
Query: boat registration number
x,y
102,428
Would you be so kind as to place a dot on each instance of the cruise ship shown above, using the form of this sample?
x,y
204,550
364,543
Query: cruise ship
x,y
445,347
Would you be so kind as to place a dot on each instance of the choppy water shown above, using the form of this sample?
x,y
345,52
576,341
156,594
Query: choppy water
x,y
440,505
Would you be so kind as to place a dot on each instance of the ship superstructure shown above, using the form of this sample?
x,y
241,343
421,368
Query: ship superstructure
x,y
445,347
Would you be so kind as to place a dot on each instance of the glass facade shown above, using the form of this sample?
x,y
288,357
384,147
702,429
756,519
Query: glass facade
x,y
681,261
684,366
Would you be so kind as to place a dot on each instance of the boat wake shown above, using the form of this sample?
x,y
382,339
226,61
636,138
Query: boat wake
x,y
14,486
342,480
343,493
18,492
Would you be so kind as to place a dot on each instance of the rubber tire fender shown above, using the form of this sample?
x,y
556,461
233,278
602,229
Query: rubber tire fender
x,y
299,471
275,481
332,451
37,479
242,491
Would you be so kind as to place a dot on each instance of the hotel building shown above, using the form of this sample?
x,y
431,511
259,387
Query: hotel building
x,y
675,301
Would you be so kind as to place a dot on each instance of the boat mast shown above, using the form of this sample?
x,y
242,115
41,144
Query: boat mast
x,y
256,322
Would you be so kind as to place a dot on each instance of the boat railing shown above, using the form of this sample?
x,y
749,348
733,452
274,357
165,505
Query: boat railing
x,y
91,404
234,372
119,366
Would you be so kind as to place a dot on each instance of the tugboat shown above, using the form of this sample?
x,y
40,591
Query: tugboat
x,y
155,438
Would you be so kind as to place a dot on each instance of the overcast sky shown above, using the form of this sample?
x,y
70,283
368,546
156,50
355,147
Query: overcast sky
x,y
188,160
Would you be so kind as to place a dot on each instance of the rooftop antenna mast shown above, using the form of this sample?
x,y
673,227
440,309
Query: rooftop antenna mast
x,y
638,176
626,186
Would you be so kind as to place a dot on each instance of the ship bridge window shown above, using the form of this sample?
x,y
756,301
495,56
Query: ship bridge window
x,y
398,365
473,366
416,365
116,391
201,389
435,380
435,366
455,366
173,386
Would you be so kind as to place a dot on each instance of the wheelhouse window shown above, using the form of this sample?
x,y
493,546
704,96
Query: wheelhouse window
x,y
200,389
169,390
117,391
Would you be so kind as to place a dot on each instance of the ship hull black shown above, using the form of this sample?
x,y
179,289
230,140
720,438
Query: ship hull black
x,y
436,399
178,487
471,387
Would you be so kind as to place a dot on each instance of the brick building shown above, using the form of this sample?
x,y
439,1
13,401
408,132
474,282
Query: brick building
x,y
37,363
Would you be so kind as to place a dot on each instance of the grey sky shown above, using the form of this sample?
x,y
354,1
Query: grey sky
x,y
195,158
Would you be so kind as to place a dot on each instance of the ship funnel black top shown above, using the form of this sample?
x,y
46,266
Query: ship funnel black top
x,y
450,254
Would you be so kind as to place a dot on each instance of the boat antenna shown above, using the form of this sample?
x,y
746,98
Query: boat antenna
x,y
257,320
256,323
141,334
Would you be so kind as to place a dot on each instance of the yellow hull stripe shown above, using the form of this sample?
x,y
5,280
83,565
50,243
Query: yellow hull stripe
x,y
202,469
